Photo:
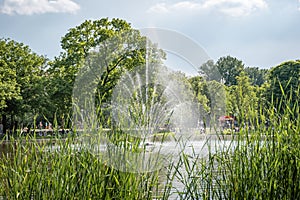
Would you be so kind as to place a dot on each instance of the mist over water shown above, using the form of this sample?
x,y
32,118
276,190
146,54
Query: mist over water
x,y
147,100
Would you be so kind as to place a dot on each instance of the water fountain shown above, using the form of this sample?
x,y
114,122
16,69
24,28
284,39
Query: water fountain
x,y
146,100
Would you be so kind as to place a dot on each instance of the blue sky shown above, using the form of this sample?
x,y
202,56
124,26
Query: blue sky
x,y
261,33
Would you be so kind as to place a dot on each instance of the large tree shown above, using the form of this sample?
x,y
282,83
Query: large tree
x,y
210,71
114,41
242,101
256,75
199,88
21,74
284,81
229,68
8,84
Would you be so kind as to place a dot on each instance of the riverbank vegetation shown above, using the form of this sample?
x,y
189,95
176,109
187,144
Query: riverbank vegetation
x,y
37,89
261,160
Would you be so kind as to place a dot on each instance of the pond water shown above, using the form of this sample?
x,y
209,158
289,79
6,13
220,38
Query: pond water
x,y
198,147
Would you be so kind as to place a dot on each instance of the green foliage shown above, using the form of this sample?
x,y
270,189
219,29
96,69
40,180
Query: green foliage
x,y
257,163
117,48
217,99
34,170
8,85
241,98
77,44
229,68
210,71
260,162
284,81
199,88
256,75
21,75
211,96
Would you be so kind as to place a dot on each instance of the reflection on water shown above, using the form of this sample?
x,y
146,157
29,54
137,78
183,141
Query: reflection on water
x,y
195,150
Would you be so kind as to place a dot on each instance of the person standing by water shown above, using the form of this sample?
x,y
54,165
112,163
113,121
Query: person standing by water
x,y
41,127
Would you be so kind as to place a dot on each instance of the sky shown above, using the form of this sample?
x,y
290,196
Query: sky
x,y
261,33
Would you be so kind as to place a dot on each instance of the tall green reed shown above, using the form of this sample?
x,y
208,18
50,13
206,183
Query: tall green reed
x,y
39,170
259,162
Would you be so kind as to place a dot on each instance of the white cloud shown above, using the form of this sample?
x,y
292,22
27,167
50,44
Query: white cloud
x,y
233,8
186,5
29,7
159,8
180,6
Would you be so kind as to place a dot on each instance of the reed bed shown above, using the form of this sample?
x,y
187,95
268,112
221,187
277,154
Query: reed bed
x,y
259,162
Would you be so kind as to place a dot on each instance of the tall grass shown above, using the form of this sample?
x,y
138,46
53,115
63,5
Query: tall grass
x,y
259,162
34,170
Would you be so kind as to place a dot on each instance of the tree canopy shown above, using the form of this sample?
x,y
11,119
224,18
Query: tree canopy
x,y
257,76
284,81
210,71
117,46
21,73
34,86
241,98
229,68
